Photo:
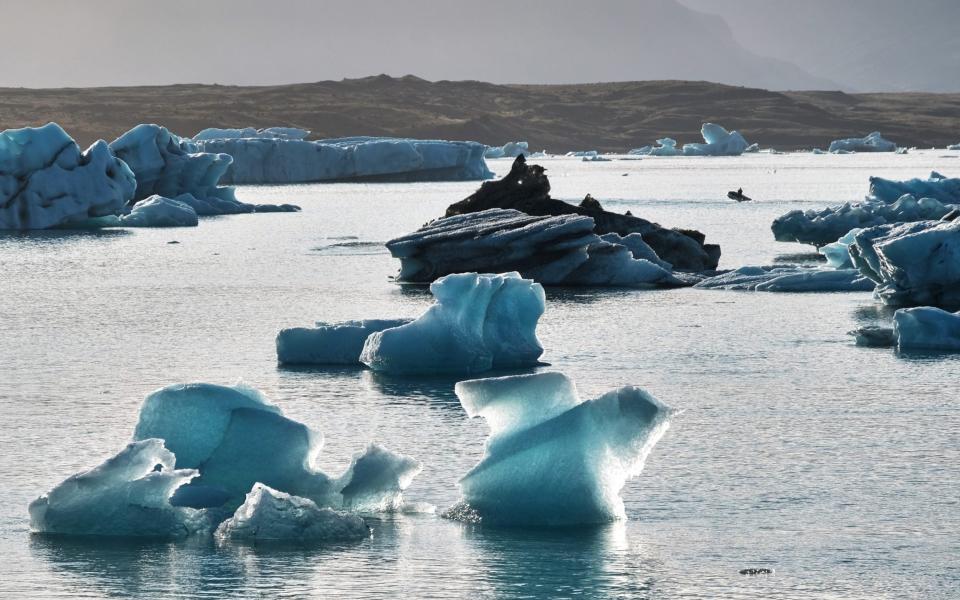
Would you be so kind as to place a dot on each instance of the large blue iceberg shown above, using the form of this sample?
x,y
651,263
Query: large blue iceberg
x,y
478,323
873,142
551,458
913,264
718,142
943,189
45,181
173,167
552,250
265,158
198,450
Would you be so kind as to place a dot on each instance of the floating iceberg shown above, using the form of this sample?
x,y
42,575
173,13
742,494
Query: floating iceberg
x,y
329,343
582,153
665,147
127,495
927,328
944,189
551,458
914,264
838,253
167,165
478,323
157,211
209,428
526,189
508,150
271,516
789,279
561,250
282,133
821,227
954,147
45,181
284,160
873,142
718,142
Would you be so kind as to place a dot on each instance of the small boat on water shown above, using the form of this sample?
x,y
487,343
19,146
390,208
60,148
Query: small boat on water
x,y
738,196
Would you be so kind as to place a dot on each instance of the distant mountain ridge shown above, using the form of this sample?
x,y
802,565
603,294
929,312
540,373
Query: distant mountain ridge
x,y
605,116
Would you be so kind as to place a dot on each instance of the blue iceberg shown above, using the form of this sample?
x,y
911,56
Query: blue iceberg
x,y
927,328
665,147
263,159
943,189
838,252
873,142
789,279
329,343
157,211
267,515
46,181
478,323
552,459
508,150
718,142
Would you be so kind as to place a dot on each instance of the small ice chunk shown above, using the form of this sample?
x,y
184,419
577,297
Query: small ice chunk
x,y
874,337
837,253
329,343
872,142
268,515
479,322
508,150
157,211
552,459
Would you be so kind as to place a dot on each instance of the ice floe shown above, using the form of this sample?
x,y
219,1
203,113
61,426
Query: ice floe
x,y
508,150
553,459
665,147
872,142
789,279
329,343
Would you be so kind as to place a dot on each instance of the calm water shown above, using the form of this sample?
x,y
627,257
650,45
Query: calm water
x,y
836,466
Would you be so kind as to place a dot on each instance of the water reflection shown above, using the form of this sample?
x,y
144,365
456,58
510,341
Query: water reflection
x,y
52,237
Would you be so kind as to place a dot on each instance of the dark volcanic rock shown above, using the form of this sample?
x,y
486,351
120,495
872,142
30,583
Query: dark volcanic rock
x,y
527,189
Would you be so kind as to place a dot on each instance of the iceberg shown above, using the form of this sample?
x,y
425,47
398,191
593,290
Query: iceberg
x,y
209,428
874,337
173,167
508,150
551,458
280,133
582,153
838,253
953,147
552,250
913,264
526,188
289,160
665,147
789,279
943,189
873,142
157,211
271,516
478,323
126,495
718,142
329,343
822,227
927,328
46,181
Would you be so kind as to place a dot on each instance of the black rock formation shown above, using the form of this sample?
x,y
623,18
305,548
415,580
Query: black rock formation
x,y
527,189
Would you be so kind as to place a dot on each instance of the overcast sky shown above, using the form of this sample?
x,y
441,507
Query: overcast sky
x,y
56,43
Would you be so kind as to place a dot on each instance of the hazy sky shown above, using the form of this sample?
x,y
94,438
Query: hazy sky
x,y
54,43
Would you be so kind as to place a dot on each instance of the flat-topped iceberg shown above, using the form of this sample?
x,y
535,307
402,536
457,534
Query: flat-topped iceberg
x,y
271,516
173,167
45,181
927,328
560,250
287,160
822,227
872,142
282,133
508,150
198,449
665,147
944,189
789,279
718,142
913,264
478,323
553,459
329,343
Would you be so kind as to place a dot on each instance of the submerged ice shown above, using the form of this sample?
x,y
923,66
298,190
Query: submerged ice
x,y
478,323
46,181
198,450
553,459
